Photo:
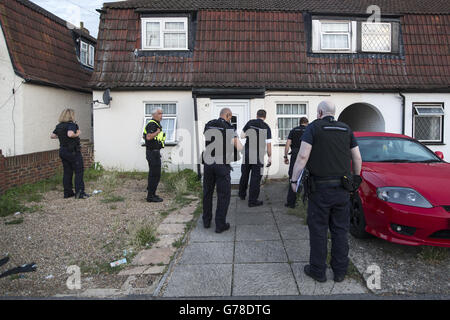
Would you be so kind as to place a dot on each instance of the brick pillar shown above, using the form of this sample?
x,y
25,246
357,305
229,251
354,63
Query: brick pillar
x,y
2,173
87,150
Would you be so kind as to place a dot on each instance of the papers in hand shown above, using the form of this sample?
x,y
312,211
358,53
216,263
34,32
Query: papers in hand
x,y
299,181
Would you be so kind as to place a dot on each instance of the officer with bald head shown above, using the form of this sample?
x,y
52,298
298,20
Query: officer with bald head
x,y
330,153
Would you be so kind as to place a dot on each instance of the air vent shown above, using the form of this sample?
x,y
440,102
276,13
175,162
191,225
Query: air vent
x,y
446,208
441,234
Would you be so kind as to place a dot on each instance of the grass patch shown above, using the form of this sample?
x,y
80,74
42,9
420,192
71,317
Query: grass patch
x,y
15,221
434,255
113,199
15,199
178,243
145,236
133,175
182,183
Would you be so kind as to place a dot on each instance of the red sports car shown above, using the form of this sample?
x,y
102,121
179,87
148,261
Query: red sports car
x,y
405,194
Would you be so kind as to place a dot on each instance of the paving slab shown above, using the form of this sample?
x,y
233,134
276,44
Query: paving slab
x,y
257,232
207,253
200,234
154,256
297,250
133,271
178,218
167,240
283,218
274,279
309,286
212,280
260,251
155,270
170,228
294,231
252,218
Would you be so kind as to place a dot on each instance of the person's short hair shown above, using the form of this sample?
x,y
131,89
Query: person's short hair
x,y
67,115
261,113
304,120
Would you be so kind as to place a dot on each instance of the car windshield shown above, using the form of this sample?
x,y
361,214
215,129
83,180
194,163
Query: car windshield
x,y
389,149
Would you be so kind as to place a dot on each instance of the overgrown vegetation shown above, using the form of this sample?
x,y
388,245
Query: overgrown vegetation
x,y
16,199
183,183
434,255
145,236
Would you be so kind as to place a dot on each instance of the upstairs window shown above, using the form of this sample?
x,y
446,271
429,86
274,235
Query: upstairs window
x,y
376,37
165,33
333,36
87,54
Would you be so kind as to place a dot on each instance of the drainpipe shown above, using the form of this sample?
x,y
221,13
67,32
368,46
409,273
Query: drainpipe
x,y
197,149
403,111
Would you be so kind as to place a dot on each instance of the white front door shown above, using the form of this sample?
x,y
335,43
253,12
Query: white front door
x,y
240,110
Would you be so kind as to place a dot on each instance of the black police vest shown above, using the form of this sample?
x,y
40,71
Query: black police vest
x,y
61,130
330,154
297,137
226,154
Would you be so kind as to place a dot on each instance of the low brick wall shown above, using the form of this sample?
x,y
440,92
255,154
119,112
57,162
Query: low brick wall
x,y
34,167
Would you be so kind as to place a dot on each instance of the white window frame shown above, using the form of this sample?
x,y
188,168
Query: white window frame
x,y
317,36
427,115
378,23
89,54
163,31
148,117
293,116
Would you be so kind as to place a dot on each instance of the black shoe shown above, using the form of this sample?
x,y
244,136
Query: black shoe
x,y
207,225
339,278
309,274
225,228
81,195
289,206
154,199
69,195
242,197
255,204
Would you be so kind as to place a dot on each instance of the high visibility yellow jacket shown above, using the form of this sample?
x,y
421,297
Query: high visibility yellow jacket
x,y
160,137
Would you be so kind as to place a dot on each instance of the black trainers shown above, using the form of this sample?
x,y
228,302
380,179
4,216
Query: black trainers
x,y
225,228
81,195
339,278
307,271
154,199
257,203
66,196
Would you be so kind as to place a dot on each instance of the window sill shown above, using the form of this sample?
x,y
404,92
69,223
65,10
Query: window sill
x,y
167,144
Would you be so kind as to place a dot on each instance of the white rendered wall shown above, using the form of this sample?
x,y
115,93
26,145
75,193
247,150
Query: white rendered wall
x,y
118,130
10,105
42,108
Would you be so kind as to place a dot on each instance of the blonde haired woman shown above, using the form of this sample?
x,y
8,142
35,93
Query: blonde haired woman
x,y
68,132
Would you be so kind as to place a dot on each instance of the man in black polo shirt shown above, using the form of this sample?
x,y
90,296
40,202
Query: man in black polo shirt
x,y
258,135
330,152
293,142
154,141
222,143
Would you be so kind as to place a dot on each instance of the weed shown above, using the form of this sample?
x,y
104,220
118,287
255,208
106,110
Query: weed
x,y
112,199
145,235
434,254
178,243
15,221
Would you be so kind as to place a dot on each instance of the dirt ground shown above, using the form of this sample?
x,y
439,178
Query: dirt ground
x,y
89,233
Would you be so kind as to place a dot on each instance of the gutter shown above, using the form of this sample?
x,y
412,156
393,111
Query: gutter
x,y
403,111
197,146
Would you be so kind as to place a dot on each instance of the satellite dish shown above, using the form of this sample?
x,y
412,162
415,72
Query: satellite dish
x,y
107,96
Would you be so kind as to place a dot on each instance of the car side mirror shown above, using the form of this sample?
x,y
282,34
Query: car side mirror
x,y
440,155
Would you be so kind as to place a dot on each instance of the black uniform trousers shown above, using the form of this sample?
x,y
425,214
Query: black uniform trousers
x,y
154,171
254,171
216,175
292,196
329,207
72,163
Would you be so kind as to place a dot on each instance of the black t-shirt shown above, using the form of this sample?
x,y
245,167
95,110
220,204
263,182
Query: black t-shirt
x,y
221,152
255,148
152,127
295,135
61,131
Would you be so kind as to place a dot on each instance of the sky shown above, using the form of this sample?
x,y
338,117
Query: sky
x,y
75,11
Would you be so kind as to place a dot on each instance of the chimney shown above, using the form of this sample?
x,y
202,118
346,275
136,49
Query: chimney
x,y
83,29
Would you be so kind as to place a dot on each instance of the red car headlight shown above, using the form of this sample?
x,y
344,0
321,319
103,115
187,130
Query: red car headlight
x,y
405,196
